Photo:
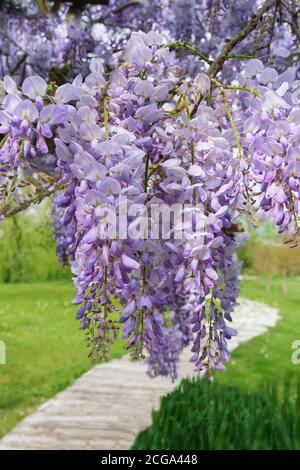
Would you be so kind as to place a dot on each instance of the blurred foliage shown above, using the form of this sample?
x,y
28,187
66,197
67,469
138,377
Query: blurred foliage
x,y
193,416
265,253
27,248
273,259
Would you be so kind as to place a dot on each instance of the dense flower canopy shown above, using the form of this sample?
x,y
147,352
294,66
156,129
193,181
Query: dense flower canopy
x,y
192,104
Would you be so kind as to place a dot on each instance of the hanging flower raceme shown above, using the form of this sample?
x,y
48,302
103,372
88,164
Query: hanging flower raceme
x,y
272,137
136,137
153,171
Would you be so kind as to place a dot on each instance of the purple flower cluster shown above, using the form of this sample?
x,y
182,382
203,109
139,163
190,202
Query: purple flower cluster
x,y
27,121
271,132
148,133
137,133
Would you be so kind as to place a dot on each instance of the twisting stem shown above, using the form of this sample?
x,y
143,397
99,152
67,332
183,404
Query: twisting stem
x,y
18,64
126,5
193,163
294,18
242,88
273,26
142,319
188,47
240,56
228,112
4,139
213,13
217,65
146,176
105,313
7,211
142,313
106,116
292,202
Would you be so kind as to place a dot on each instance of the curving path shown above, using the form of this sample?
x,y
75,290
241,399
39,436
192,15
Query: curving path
x,y
110,404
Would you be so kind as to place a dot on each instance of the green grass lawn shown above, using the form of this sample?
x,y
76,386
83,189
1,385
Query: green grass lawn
x,y
45,348
267,358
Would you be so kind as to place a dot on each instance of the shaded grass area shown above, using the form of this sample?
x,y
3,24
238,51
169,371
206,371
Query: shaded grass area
x,y
45,349
268,358
206,416
28,250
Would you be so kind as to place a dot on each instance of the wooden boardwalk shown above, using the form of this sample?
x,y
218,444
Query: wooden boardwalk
x,y
110,404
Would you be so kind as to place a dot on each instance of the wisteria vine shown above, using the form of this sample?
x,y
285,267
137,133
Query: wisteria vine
x,y
170,123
